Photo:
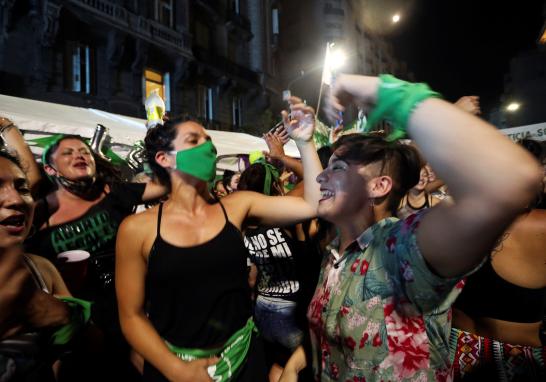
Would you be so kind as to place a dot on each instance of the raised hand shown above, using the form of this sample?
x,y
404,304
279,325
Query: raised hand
x,y
470,104
351,89
275,146
282,135
300,123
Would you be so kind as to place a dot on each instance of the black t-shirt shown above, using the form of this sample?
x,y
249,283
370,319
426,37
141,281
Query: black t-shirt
x,y
95,231
274,254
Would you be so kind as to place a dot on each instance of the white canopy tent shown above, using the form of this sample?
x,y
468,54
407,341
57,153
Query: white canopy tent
x,y
50,118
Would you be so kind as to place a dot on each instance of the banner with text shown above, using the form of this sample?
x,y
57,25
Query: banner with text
x,y
536,132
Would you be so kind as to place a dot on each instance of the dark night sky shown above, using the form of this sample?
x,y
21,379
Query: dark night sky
x,y
464,47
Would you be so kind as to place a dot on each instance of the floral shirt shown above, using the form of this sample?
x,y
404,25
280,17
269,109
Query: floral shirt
x,y
379,313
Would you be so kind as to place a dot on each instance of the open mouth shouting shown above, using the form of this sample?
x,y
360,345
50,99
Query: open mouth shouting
x,y
14,224
325,194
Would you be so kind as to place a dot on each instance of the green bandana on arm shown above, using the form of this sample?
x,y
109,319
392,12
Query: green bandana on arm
x,y
80,314
396,100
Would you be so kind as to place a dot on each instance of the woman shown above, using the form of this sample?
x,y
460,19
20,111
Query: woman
x,y
284,272
29,313
498,316
181,267
381,308
84,212
417,197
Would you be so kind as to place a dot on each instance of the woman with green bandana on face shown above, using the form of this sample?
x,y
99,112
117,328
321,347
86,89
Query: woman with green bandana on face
x,y
181,273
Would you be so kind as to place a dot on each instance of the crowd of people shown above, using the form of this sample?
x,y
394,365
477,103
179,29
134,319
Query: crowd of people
x,y
376,258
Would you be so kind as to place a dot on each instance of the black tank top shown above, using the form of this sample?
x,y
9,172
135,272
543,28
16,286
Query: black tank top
x,y
197,297
486,294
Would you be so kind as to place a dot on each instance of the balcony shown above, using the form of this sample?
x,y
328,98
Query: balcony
x,y
225,66
134,24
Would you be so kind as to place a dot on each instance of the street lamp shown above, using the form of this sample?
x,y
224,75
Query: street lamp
x,y
396,18
335,60
513,107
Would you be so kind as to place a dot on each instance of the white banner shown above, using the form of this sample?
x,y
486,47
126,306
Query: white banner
x,y
536,132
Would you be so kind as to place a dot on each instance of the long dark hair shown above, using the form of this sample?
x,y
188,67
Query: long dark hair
x,y
401,162
160,138
106,172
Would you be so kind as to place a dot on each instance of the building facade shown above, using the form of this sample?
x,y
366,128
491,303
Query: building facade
x,y
214,60
525,85
307,25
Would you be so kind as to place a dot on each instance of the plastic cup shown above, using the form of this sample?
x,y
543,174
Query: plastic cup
x,y
73,268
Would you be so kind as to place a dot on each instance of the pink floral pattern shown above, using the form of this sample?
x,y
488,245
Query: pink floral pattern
x,y
367,318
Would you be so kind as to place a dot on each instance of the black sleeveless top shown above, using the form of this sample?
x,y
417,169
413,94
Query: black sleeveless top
x,y
486,294
197,297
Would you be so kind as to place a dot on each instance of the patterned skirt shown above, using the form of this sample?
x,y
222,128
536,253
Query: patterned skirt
x,y
478,358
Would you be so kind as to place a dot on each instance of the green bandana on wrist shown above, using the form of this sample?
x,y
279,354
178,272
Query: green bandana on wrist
x,y
199,161
396,100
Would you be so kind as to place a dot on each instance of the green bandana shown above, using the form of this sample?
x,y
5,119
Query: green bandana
x,y
199,161
271,172
232,355
80,314
396,100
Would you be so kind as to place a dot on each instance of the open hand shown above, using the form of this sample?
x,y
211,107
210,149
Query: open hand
x,y
300,123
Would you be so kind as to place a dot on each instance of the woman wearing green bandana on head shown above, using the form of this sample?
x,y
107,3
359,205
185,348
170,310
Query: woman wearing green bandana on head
x,y
181,271
83,213
381,310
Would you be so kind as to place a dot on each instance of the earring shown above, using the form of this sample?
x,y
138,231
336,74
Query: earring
x,y
372,202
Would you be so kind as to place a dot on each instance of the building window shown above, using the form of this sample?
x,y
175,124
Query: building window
x,y
236,111
154,80
236,6
79,68
275,21
164,12
205,99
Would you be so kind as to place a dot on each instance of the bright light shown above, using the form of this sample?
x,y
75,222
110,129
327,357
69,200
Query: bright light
x,y
396,18
514,106
336,59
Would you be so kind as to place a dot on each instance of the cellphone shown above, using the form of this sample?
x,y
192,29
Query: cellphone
x,y
286,95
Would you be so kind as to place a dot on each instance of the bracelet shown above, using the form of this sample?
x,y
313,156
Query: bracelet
x,y
6,128
396,101
80,313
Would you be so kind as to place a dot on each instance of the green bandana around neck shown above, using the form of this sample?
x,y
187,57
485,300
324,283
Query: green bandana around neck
x,y
199,161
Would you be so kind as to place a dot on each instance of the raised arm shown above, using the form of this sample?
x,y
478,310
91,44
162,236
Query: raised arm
x,y
130,290
276,151
285,210
15,141
490,178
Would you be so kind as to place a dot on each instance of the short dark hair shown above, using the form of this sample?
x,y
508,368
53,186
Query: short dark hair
x,y
12,158
401,162
106,171
253,179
